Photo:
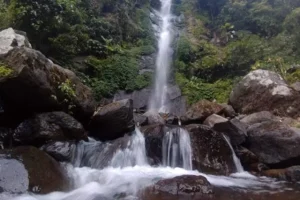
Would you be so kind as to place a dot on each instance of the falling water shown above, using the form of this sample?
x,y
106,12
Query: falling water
x,y
236,160
163,60
177,151
124,152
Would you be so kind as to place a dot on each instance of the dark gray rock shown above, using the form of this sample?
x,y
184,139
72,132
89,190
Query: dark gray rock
x,y
275,143
39,85
234,129
259,117
211,152
140,98
5,137
29,169
113,120
46,127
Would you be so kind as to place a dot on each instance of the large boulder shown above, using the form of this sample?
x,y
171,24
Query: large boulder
x,y
10,38
181,187
113,120
275,143
29,169
46,127
33,83
211,152
234,129
199,111
259,117
263,90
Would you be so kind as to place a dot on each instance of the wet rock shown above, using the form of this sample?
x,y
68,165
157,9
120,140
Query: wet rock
x,y
247,158
60,151
46,127
289,174
29,169
39,85
154,135
234,129
10,38
113,120
200,111
181,187
258,117
275,143
140,119
263,90
228,111
211,152
154,117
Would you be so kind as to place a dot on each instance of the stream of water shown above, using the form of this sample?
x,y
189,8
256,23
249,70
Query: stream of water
x,y
163,61
127,170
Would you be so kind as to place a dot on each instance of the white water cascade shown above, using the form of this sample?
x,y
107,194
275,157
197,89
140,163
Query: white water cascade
x,y
163,61
236,160
177,151
127,171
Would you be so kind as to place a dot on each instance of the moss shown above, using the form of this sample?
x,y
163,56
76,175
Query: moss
x,y
293,77
4,70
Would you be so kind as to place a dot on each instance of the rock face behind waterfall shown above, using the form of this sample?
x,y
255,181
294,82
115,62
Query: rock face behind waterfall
x,y
29,169
263,90
113,120
35,84
46,127
211,152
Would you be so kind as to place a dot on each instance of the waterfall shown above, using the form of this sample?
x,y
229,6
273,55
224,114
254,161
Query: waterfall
x,y
158,98
236,160
124,152
176,147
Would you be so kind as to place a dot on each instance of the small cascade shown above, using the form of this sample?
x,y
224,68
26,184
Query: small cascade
x,y
134,154
176,147
236,160
124,152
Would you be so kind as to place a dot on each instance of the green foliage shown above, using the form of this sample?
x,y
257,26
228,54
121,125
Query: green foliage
x,y
293,77
117,72
4,70
68,89
196,89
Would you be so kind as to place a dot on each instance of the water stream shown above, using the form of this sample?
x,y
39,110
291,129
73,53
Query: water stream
x,y
236,160
163,61
177,151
